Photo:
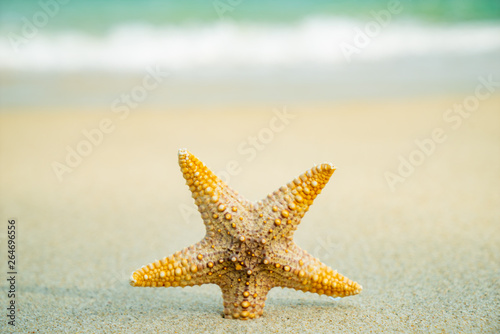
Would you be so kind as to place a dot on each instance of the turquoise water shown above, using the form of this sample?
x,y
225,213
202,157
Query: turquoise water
x,y
269,50
98,16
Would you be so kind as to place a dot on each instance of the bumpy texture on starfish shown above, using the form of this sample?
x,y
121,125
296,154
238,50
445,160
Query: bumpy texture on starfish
x,y
248,248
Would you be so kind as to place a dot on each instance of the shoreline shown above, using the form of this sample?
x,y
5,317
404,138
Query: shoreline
x,y
412,78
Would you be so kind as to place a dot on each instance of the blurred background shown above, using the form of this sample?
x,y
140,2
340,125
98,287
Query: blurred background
x,y
84,53
96,97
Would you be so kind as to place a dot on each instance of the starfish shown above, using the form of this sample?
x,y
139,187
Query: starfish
x,y
248,248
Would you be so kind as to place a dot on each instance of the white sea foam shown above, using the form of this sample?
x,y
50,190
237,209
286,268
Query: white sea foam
x,y
224,44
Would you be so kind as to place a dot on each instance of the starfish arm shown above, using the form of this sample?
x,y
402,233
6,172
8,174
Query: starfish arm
x,y
296,269
244,295
283,209
195,265
217,202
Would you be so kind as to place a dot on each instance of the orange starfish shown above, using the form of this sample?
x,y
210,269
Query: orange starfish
x,y
248,248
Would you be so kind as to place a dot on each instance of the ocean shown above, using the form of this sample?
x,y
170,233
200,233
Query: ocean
x,y
249,40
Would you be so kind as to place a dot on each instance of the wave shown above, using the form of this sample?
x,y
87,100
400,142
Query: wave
x,y
314,41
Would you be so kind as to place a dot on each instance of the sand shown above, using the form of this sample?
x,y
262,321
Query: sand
x,y
427,253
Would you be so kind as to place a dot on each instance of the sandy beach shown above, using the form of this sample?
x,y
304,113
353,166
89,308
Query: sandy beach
x,y
426,250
